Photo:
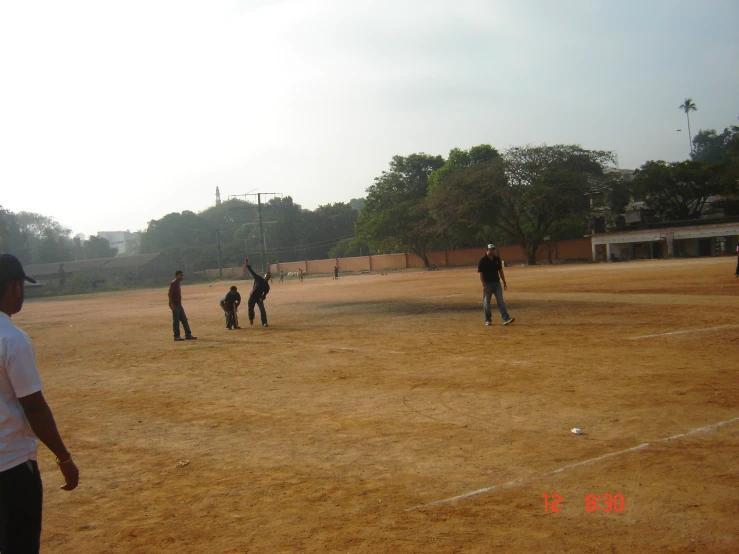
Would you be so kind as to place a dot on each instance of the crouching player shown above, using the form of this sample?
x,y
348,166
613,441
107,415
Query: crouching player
x,y
230,304
258,294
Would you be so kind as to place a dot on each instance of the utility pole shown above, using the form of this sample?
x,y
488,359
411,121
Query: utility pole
x,y
261,229
262,242
218,245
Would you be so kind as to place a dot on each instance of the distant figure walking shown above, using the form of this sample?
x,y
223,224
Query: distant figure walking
x,y
300,274
282,276
178,312
230,305
336,272
258,294
490,270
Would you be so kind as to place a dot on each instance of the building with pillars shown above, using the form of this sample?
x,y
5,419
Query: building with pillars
x,y
675,240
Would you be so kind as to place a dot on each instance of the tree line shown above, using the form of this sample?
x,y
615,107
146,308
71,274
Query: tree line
x,y
37,239
525,195
530,194
230,231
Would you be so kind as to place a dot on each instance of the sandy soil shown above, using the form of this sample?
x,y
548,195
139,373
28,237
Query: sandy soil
x,y
371,401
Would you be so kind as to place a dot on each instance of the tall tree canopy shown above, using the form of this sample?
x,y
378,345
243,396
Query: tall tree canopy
x,y
679,190
98,247
396,212
464,194
547,187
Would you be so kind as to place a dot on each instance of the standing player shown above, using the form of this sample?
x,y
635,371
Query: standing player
x,y
258,295
490,269
178,312
230,304
25,418
336,272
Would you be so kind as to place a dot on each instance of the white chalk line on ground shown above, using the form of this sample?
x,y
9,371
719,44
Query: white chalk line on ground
x,y
375,350
517,482
684,332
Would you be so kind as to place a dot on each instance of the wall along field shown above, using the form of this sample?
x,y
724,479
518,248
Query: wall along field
x,y
371,402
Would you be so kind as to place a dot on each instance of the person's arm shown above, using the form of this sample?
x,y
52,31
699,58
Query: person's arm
x,y
256,276
169,296
42,423
502,277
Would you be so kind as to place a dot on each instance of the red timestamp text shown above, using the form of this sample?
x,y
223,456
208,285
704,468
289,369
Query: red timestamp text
x,y
593,503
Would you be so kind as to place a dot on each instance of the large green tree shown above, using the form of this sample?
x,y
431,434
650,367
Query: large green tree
x,y
47,240
396,212
547,188
680,190
712,147
177,229
98,247
12,238
465,201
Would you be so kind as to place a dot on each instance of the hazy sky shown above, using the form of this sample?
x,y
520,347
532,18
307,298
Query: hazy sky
x,y
116,113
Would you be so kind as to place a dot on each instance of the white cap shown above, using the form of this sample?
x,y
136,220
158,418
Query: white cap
x,y
491,246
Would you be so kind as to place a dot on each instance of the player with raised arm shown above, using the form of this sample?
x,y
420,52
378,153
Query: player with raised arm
x,y
258,294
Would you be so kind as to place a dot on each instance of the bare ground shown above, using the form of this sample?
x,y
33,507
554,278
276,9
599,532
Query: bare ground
x,y
349,423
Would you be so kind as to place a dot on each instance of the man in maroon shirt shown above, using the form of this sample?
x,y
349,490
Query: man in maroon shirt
x,y
178,312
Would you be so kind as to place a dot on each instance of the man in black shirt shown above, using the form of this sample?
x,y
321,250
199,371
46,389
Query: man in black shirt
x,y
230,303
490,269
258,294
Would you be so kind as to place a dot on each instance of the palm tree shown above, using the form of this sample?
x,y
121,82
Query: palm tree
x,y
689,106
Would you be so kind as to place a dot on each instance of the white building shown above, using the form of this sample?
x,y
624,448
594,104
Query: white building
x,y
126,242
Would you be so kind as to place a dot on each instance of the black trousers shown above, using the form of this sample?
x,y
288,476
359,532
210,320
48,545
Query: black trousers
x,y
21,498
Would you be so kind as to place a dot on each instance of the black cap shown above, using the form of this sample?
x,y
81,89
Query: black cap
x,y
12,270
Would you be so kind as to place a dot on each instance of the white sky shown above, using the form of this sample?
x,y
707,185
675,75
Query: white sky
x,y
116,113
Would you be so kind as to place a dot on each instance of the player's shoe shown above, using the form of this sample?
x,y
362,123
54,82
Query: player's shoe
x,y
251,322
509,321
191,338
265,325
178,339
488,323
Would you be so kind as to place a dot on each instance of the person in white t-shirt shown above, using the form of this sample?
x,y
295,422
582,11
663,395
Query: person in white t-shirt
x,y
25,418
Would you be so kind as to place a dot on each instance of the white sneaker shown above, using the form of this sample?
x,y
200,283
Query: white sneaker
x,y
488,323
509,321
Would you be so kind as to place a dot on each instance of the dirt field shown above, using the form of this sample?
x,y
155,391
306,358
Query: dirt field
x,y
371,401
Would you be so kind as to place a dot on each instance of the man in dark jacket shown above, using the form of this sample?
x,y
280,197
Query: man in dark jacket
x,y
490,269
230,304
258,294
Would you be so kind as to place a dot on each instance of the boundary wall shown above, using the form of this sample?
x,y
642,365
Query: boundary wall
x,y
579,249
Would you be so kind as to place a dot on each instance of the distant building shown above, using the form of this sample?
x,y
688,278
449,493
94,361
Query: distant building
x,y
126,242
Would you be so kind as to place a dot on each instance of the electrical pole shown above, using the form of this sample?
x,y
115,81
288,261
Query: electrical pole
x,y
262,242
218,244
261,229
